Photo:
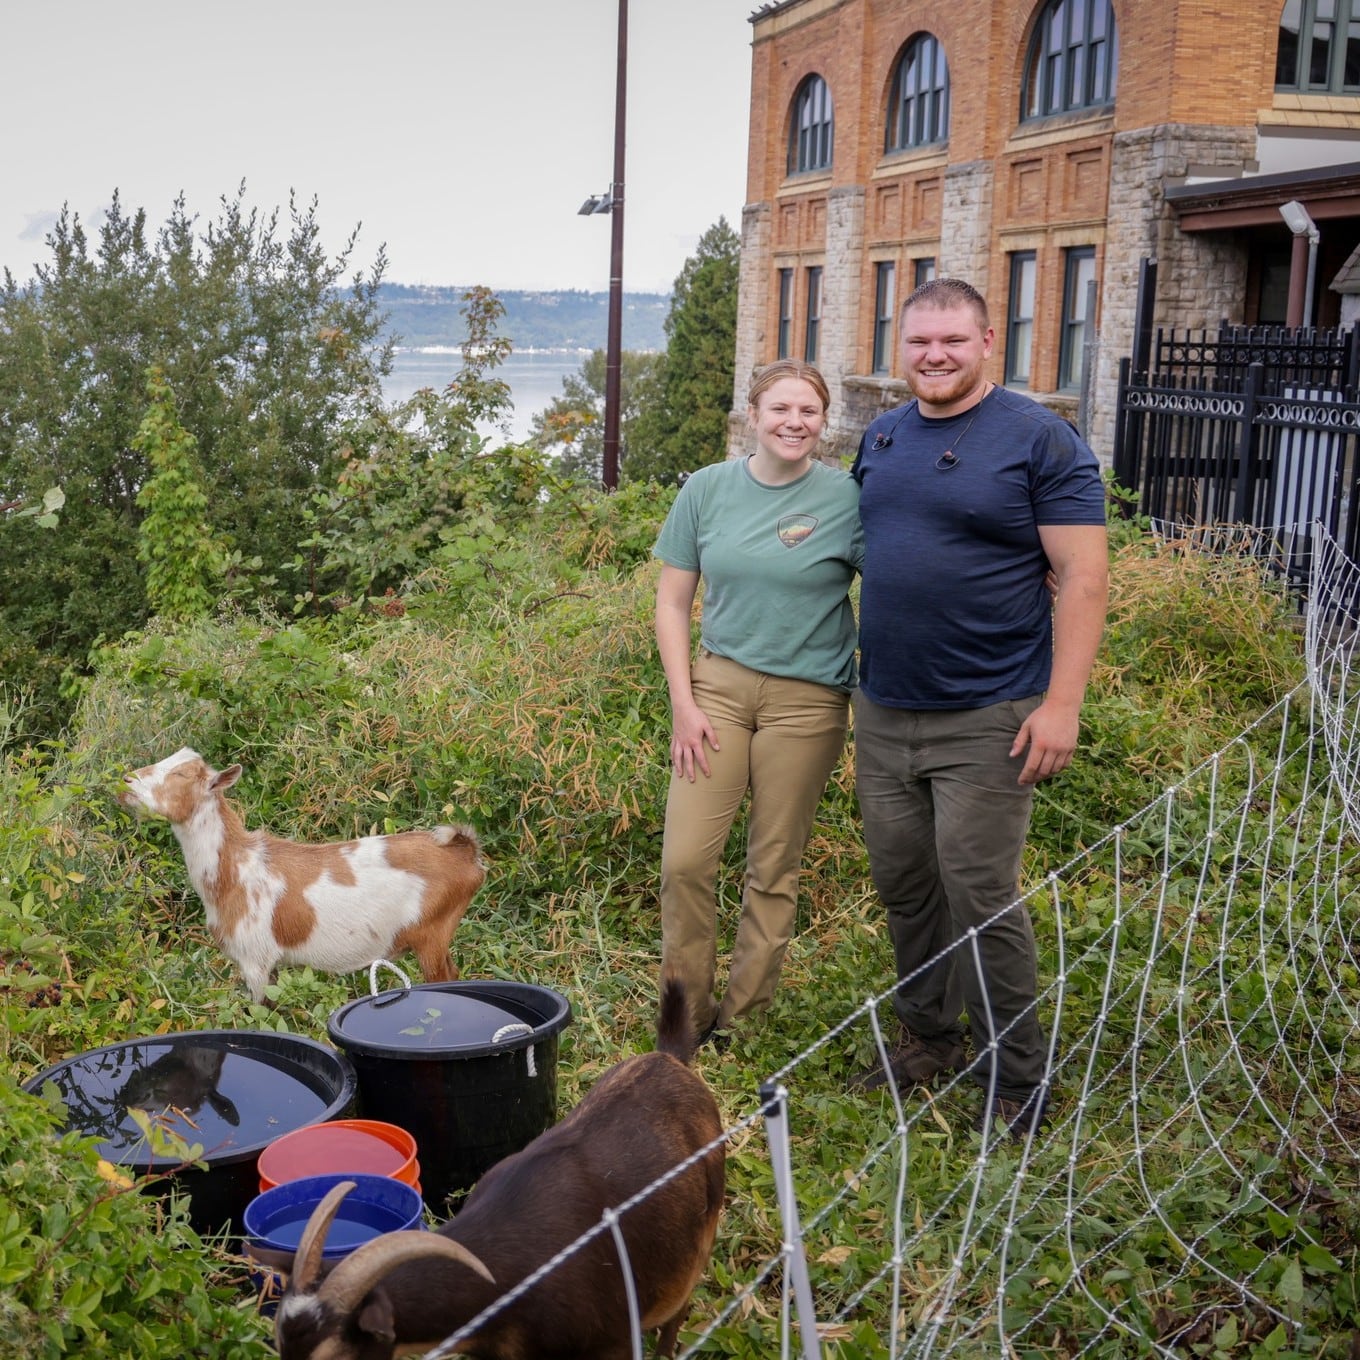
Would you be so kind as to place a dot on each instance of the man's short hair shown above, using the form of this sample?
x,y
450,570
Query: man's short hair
x,y
944,293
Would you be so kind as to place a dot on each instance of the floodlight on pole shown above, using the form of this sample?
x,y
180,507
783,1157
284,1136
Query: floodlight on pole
x,y
1297,219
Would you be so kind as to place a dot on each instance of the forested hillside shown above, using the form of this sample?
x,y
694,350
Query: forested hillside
x,y
533,320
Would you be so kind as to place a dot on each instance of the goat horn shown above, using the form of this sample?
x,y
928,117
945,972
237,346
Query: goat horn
x,y
307,1260
347,1285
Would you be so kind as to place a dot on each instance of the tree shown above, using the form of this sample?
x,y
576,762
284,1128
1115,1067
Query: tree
x,y
419,479
472,391
271,359
572,425
174,542
687,427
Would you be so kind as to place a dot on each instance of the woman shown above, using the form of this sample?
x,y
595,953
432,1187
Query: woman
x,y
764,705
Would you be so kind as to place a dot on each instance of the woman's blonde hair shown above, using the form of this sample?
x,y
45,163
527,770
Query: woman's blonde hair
x,y
764,378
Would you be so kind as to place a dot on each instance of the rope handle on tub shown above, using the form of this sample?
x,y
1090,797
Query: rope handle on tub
x,y
373,980
510,1031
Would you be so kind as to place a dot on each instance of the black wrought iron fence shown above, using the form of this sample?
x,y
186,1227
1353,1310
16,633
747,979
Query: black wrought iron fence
x,y
1220,358
1250,427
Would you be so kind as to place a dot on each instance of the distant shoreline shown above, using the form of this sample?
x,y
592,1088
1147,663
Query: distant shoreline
x,y
518,349
435,319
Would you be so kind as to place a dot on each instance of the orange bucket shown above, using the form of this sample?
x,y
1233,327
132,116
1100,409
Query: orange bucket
x,y
366,1146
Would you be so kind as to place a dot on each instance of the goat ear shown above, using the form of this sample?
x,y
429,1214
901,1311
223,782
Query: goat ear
x,y
224,779
377,1319
270,1256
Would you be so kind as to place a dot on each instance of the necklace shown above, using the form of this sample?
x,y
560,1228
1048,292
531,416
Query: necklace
x,y
949,459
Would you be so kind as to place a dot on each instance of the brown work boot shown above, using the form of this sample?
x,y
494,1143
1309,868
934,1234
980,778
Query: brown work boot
x,y
1019,1118
914,1060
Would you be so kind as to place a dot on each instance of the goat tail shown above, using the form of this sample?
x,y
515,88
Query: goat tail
x,y
675,1032
459,835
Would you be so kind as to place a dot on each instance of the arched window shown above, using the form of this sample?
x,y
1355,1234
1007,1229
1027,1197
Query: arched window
x,y
1073,58
1319,47
811,132
918,104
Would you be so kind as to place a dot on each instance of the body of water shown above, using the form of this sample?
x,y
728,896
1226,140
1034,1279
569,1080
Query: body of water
x,y
535,378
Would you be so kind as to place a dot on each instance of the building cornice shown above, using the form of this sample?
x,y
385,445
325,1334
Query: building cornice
x,y
780,15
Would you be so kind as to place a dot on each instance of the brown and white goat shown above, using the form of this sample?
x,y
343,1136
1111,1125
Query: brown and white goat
x,y
409,1291
334,907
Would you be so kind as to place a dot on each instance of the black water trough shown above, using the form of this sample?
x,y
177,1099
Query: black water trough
x,y
469,1068
233,1091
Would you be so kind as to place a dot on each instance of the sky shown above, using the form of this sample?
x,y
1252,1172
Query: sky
x,y
463,135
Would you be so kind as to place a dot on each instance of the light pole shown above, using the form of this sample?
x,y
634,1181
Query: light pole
x,y
1302,225
612,203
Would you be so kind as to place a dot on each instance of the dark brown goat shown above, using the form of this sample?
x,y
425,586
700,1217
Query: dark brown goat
x,y
406,1292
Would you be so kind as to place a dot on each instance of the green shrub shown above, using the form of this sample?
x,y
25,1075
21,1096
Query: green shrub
x,y
93,1267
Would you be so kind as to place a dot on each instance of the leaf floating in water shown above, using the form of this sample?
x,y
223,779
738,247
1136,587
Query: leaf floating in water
x,y
431,1016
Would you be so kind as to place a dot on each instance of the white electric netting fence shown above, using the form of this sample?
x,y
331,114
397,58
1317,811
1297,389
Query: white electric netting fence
x,y
1204,1111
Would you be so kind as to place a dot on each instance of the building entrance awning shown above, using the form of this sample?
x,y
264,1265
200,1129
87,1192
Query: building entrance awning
x,y
1330,191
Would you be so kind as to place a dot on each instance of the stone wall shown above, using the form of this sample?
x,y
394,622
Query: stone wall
x,y
1201,277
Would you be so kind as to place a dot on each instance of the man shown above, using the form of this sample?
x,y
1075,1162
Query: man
x,y
971,684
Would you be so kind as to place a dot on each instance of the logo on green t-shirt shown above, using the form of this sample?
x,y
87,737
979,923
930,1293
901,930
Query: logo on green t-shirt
x,y
795,529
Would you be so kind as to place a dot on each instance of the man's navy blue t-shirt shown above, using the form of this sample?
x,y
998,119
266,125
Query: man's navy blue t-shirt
x,y
953,609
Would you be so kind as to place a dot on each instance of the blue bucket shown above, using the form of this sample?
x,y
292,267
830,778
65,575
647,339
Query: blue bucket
x,y
276,1218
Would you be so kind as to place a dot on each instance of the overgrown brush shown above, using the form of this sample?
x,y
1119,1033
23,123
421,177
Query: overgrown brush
x,y
539,714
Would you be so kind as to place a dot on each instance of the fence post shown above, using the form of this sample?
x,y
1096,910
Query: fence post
x,y
774,1101
1246,441
1142,316
1125,460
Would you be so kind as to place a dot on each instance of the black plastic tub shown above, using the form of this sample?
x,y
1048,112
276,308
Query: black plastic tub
x,y
468,1068
240,1088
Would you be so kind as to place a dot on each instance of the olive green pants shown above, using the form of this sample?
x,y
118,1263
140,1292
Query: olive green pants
x,y
779,740
945,823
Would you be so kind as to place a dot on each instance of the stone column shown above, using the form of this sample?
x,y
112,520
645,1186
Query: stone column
x,y
842,291
966,224
753,311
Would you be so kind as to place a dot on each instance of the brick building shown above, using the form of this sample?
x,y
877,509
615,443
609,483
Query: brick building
x,y
1031,146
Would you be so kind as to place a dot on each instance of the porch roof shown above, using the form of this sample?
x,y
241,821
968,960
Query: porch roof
x,y
1328,191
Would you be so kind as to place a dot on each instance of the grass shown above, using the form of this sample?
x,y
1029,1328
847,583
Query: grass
x,y
539,716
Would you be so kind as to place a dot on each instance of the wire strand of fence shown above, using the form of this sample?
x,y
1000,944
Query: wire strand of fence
x,y
1201,1147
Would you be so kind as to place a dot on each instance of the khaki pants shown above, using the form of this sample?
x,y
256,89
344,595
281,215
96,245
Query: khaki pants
x,y
780,739
945,824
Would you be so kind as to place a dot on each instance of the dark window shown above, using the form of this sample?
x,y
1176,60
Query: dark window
x,y
1020,318
1073,57
785,314
814,313
885,282
925,271
1319,46
918,104
1272,299
1080,271
812,131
